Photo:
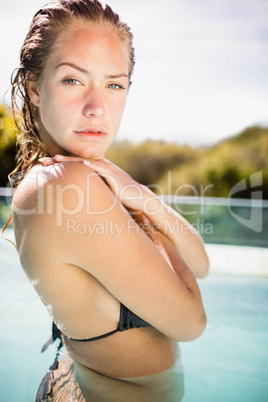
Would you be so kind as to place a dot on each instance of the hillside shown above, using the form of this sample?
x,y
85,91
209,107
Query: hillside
x,y
212,171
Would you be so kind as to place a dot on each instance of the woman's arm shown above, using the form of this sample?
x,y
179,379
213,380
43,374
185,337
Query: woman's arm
x,y
139,198
180,232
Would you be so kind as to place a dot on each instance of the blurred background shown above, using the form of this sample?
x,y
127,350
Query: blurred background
x,y
196,122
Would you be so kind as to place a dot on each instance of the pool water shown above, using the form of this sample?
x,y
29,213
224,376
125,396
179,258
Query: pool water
x,y
228,363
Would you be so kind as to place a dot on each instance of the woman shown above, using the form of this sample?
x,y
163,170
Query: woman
x,y
114,266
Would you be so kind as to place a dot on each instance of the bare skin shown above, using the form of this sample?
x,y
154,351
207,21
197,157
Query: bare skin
x,y
96,273
89,237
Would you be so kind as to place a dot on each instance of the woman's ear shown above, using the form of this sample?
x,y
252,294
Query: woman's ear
x,y
33,92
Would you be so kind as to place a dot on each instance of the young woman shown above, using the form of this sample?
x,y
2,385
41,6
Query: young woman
x,y
114,265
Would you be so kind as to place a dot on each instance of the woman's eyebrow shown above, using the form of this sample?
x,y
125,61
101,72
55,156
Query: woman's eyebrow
x,y
65,63
82,70
117,76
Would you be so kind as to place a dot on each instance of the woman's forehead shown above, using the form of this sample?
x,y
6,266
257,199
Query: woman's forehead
x,y
90,42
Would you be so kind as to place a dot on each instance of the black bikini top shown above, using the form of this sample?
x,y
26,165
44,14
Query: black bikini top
x,y
127,320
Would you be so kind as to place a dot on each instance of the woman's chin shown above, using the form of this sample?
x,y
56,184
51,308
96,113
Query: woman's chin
x,y
91,154
85,153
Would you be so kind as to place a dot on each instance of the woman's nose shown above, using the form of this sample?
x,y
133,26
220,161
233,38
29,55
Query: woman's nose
x,y
94,104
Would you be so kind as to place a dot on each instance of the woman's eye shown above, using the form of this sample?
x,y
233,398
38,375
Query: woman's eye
x,y
115,86
71,81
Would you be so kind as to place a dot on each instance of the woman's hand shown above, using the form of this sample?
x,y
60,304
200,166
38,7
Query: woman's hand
x,y
130,193
133,195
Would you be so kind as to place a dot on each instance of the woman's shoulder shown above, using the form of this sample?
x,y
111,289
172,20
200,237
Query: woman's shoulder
x,y
48,196
41,178
65,183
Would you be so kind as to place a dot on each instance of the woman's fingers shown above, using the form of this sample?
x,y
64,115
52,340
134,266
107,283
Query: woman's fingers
x,y
46,161
62,158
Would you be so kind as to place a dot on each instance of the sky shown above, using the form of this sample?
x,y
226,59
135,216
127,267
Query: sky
x,y
201,71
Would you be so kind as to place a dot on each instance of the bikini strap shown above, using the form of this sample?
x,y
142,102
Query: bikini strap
x,y
96,338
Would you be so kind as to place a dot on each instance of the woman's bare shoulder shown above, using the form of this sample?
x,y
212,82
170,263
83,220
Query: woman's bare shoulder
x,y
54,180
46,203
49,194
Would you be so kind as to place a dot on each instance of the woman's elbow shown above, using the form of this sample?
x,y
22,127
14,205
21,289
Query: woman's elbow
x,y
199,327
192,330
203,268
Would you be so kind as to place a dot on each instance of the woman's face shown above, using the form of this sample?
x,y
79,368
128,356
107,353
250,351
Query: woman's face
x,y
83,92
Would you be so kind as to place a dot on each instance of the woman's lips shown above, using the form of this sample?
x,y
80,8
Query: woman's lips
x,y
92,133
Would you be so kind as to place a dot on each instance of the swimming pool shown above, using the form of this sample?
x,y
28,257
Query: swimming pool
x,y
228,363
